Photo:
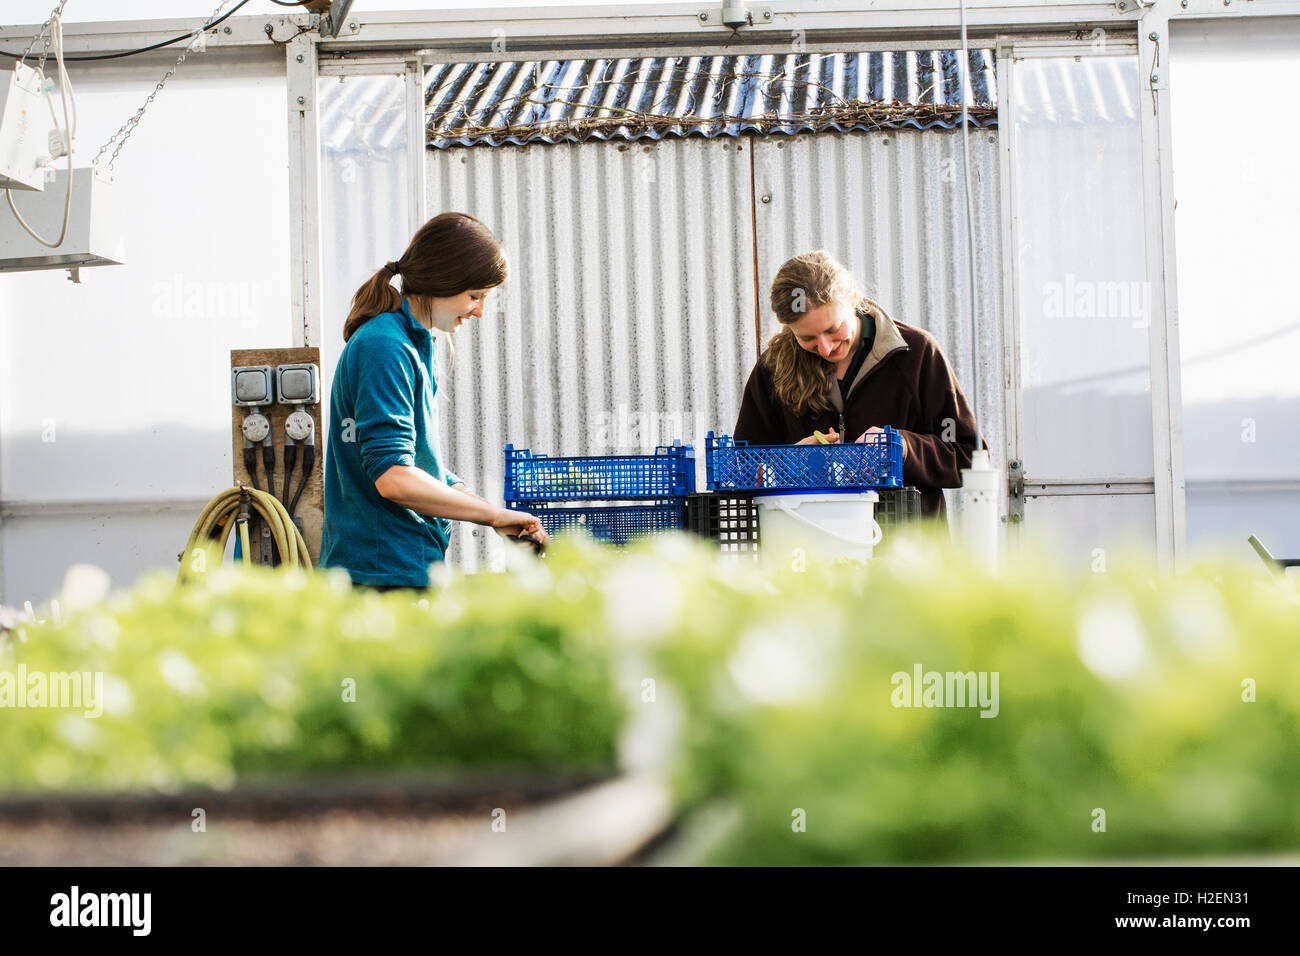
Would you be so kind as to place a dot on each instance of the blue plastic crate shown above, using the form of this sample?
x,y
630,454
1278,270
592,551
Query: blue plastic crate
x,y
736,466
613,524
668,473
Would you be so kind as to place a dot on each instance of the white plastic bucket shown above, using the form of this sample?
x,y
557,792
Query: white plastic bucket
x,y
822,525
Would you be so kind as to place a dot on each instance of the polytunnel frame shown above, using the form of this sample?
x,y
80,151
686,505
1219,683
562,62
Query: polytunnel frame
x,y
1019,31
404,42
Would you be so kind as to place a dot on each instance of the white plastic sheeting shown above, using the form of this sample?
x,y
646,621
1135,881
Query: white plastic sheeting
x,y
1084,304
115,393
1238,221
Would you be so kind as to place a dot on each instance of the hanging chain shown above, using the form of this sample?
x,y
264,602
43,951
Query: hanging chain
x,y
43,34
127,128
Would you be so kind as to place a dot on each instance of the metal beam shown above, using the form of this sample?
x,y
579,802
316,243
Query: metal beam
x,y
1051,487
631,26
640,26
1065,40
680,24
1013,503
1227,9
304,191
88,507
417,168
119,36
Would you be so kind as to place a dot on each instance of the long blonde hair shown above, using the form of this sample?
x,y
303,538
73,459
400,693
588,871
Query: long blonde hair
x,y
803,380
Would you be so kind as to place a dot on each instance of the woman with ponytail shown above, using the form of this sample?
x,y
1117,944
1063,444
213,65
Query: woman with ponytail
x,y
841,365
389,499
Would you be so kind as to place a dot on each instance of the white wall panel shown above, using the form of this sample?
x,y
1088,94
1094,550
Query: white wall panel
x,y
117,389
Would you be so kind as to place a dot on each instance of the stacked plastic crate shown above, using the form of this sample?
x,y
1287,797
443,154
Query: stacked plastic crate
x,y
611,497
738,471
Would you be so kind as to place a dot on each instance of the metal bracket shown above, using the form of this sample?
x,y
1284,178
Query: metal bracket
x,y
337,18
266,547
1015,492
302,72
733,15
1132,6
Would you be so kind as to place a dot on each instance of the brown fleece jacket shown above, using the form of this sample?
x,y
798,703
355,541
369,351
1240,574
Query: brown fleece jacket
x,y
905,383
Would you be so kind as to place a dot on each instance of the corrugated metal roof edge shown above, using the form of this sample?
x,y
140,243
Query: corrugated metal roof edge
x,y
876,119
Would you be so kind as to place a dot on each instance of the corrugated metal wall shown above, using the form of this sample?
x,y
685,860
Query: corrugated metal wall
x,y
628,319
890,206
628,316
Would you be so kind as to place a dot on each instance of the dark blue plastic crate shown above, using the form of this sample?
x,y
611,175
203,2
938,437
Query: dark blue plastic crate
x,y
736,466
668,473
613,524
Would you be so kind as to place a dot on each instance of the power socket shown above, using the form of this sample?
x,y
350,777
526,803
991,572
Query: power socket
x,y
25,126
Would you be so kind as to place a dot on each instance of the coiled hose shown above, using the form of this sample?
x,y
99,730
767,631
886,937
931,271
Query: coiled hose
x,y
235,506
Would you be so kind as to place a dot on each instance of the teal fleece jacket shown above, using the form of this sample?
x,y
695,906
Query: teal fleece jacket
x,y
382,413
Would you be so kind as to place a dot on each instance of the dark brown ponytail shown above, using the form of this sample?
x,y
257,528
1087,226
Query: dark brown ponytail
x,y
452,252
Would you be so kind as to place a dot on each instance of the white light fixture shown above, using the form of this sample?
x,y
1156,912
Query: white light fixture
x,y
25,126
94,235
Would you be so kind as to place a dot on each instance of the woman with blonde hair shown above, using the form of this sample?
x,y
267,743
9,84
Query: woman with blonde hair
x,y
389,498
841,365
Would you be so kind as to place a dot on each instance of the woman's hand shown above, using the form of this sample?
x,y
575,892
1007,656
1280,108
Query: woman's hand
x,y
832,437
519,524
873,430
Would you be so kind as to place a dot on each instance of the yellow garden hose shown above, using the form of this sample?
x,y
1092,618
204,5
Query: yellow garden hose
x,y
208,539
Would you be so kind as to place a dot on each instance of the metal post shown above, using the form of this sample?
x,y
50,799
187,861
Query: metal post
x,y
1015,510
304,191
417,209
1158,204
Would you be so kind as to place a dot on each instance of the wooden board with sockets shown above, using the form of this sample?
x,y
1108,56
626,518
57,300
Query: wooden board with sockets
x,y
311,506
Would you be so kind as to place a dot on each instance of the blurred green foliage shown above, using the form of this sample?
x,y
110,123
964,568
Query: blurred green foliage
x,y
245,674
1121,692
773,692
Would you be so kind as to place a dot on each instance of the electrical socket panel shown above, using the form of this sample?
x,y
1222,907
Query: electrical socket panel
x,y
298,384
252,385
25,126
